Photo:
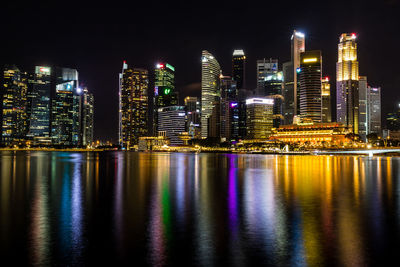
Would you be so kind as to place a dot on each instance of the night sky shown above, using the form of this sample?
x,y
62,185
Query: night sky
x,y
96,38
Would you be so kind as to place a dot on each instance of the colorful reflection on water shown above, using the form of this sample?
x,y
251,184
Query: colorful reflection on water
x,y
199,209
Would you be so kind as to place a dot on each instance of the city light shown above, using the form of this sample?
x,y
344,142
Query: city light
x,y
307,60
265,101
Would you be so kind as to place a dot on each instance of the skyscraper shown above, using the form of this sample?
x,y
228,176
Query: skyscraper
x,y
374,110
40,95
239,68
362,102
192,106
326,100
134,84
87,117
164,89
265,67
171,120
229,108
13,95
310,77
290,70
347,84
210,71
273,89
259,119
65,107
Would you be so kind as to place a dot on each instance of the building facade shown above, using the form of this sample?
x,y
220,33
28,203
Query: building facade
x,y
310,77
210,72
272,88
172,121
192,107
265,68
87,117
239,68
164,90
13,95
362,103
229,108
259,117
374,110
134,84
326,100
347,82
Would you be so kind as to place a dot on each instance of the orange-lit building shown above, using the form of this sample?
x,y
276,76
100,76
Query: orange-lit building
x,y
332,133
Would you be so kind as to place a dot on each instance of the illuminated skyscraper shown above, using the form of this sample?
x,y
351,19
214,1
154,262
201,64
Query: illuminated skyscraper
x,y
229,108
192,106
265,67
310,77
259,117
210,72
362,102
239,68
347,84
87,117
40,95
134,84
272,88
164,89
65,107
291,84
13,94
326,101
171,120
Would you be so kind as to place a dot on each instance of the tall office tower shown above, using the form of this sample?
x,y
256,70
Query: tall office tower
x,y
65,107
265,67
192,106
40,95
259,119
374,110
239,68
171,120
229,118
347,82
13,97
210,71
362,102
393,119
134,83
164,89
87,117
290,71
272,88
310,85
326,100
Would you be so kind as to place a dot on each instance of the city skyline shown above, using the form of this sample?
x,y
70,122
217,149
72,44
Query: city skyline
x,y
98,59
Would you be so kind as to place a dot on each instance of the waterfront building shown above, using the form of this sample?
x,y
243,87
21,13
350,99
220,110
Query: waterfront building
x,y
40,94
309,132
172,121
310,77
150,143
273,89
326,100
347,82
374,110
13,93
265,67
210,94
239,68
65,107
229,108
291,84
259,117
192,107
133,98
164,89
363,120
87,117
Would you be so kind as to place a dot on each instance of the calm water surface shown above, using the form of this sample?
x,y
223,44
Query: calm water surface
x,y
198,209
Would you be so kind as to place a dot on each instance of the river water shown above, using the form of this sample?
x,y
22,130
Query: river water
x,y
128,208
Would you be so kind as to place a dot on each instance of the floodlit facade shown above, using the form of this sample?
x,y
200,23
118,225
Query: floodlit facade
x,y
164,89
172,121
326,100
272,88
134,84
259,117
239,68
309,77
14,105
87,117
347,82
290,71
210,72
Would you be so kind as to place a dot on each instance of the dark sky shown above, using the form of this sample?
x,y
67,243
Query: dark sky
x,y
96,38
